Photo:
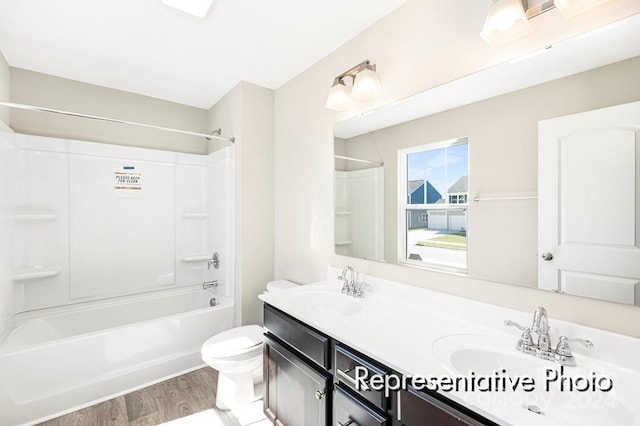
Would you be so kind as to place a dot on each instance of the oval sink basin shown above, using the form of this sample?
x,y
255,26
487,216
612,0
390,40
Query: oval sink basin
x,y
552,396
328,303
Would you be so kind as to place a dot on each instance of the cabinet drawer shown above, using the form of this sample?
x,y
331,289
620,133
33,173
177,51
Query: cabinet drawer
x,y
301,337
346,362
421,409
348,410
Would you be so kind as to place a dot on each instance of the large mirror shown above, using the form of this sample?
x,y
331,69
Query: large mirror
x,y
448,178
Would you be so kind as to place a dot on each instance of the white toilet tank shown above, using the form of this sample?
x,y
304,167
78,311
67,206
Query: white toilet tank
x,y
278,285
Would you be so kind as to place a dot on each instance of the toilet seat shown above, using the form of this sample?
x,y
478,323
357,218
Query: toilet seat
x,y
233,342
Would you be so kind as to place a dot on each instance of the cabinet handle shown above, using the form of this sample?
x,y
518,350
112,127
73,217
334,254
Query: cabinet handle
x,y
347,423
320,395
342,374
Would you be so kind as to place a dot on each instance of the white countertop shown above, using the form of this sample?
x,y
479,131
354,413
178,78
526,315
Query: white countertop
x,y
400,325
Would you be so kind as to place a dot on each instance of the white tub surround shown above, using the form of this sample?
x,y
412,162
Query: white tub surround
x,y
61,359
419,332
94,221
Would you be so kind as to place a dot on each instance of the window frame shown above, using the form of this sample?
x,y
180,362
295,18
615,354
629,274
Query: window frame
x,y
404,207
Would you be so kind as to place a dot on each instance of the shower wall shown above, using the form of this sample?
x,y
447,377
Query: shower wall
x,y
94,221
359,205
9,171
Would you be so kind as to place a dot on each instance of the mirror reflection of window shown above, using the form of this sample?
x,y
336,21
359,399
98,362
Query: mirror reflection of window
x,y
434,221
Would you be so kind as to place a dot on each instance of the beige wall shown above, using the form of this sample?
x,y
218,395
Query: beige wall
x,y
44,90
413,52
247,111
502,236
5,91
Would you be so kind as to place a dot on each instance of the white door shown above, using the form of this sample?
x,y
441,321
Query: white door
x,y
589,204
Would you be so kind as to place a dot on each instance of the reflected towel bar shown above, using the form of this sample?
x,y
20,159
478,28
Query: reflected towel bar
x,y
528,197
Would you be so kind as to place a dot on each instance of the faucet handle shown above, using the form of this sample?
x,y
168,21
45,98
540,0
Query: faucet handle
x,y
563,347
563,353
510,323
525,344
359,288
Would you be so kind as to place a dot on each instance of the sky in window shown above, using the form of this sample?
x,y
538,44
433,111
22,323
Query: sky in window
x,y
442,167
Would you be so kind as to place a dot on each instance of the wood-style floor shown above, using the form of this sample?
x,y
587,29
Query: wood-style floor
x,y
169,400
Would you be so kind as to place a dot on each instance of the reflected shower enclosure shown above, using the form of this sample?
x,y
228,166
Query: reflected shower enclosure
x,y
359,208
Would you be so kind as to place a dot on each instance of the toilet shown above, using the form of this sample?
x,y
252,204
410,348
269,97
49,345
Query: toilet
x,y
236,354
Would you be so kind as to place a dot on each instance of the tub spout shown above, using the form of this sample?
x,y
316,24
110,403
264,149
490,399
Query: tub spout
x,y
209,284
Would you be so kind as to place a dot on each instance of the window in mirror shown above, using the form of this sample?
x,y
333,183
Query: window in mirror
x,y
434,179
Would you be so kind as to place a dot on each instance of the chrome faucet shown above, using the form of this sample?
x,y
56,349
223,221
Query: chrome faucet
x,y
351,287
541,328
543,349
347,285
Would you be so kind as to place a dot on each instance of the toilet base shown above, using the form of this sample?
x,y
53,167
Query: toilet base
x,y
235,390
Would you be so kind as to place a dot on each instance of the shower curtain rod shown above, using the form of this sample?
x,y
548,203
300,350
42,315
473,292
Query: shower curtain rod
x,y
377,163
213,135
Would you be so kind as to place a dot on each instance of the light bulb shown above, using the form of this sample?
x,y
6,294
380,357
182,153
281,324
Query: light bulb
x,y
339,97
366,84
506,20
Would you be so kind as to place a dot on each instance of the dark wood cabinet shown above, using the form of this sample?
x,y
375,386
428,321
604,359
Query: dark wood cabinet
x,y
298,385
296,394
309,380
423,409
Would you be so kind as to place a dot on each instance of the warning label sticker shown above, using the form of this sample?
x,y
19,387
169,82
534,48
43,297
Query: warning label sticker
x,y
127,182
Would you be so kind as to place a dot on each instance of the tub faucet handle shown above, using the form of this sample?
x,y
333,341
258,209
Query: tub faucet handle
x,y
214,261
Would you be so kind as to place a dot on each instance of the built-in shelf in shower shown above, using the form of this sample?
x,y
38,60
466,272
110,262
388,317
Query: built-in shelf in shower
x,y
36,272
195,257
343,212
32,214
343,243
195,214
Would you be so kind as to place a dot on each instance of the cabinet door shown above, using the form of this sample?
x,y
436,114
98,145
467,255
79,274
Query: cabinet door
x,y
421,409
296,394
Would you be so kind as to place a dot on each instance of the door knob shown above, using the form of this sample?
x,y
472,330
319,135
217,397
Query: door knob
x,y
547,256
319,395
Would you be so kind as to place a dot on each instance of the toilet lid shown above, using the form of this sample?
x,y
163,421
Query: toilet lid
x,y
233,342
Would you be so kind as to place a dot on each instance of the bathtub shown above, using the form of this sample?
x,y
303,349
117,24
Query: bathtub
x,y
58,360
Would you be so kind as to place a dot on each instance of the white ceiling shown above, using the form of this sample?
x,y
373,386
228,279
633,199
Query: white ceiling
x,y
145,47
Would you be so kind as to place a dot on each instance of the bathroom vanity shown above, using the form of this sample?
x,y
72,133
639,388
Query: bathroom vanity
x,y
315,337
310,380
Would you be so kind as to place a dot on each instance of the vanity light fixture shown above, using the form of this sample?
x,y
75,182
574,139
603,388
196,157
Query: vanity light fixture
x,y
364,83
570,8
509,19
197,8
506,20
